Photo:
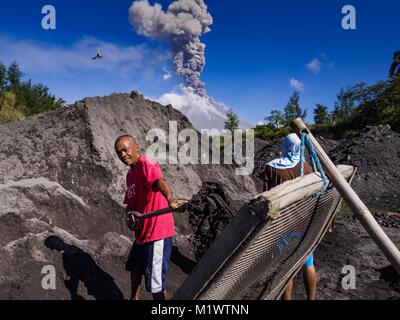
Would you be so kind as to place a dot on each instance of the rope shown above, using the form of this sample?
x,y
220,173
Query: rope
x,y
316,164
302,147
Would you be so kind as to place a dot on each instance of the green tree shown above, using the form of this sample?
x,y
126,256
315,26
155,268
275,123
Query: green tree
x,y
232,121
377,104
321,115
392,102
23,97
14,75
361,105
276,119
269,131
346,103
36,98
3,77
293,109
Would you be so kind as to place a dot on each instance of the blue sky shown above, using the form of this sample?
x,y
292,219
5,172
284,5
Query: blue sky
x,y
253,51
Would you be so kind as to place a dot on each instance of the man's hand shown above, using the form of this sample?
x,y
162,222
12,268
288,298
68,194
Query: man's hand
x,y
175,203
163,187
133,222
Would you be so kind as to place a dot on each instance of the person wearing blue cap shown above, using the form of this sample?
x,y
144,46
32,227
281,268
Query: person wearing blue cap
x,y
279,170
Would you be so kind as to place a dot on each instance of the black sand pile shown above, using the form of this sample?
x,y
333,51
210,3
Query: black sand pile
x,y
61,188
350,245
60,179
209,213
388,219
268,151
376,153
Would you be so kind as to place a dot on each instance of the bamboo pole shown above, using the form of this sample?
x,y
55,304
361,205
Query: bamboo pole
x,y
354,202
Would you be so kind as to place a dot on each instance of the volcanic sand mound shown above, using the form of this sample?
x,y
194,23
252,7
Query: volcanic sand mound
x,y
61,190
376,153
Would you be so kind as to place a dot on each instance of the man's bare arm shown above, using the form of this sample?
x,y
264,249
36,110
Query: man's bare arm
x,y
162,186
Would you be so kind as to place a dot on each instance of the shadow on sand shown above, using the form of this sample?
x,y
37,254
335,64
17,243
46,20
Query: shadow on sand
x,y
80,267
184,263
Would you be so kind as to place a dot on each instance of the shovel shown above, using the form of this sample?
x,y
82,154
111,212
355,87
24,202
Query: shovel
x,y
135,219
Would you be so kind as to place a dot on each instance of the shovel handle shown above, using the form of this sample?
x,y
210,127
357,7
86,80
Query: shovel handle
x,y
157,212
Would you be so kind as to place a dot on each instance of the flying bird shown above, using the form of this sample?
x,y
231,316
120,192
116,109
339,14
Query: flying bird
x,y
99,55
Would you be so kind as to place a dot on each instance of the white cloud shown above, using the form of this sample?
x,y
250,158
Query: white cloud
x,y
314,65
167,76
296,84
319,63
203,112
119,60
70,73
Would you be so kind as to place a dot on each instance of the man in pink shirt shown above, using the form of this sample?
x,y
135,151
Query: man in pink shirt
x,y
147,191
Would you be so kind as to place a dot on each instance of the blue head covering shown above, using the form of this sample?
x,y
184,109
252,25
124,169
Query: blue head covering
x,y
290,153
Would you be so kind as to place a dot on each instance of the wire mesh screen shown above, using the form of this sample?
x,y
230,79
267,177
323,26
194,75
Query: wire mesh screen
x,y
273,251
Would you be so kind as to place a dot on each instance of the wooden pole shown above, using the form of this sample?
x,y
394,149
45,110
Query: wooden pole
x,y
354,202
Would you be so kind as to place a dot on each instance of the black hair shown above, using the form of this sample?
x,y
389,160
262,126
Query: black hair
x,y
127,136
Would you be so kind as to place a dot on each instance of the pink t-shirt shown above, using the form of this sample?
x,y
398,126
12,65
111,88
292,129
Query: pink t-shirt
x,y
141,198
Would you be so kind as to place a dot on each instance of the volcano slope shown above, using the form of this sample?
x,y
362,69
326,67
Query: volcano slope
x,y
61,190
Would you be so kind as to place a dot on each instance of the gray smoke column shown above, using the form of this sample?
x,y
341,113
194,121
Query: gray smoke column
x,y
181,26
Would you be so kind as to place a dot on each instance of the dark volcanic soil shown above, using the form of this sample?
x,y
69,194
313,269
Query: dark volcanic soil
x,y
60,179
376,153
61,188
209,213
349,244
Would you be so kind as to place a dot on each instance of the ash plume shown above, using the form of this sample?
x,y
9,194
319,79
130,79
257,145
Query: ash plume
x,y
182,25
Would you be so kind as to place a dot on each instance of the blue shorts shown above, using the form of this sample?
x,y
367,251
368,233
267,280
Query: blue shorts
x,y
151,260
309,261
